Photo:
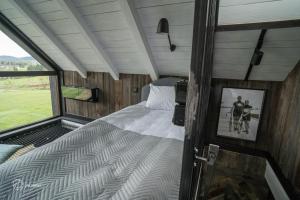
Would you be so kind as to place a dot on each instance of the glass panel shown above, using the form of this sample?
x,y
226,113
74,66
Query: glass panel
x,y
236,176
24,100
15,58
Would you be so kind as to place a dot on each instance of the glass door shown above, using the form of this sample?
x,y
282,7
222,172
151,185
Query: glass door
x,y
234,176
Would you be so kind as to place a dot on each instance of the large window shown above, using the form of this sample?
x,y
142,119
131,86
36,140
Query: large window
x,y
14,58
23,99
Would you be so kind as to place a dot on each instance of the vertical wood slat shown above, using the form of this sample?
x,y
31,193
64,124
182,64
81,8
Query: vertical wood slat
x,y
105,94
100,112
118,96
114,95
126,90
53,80
198,92
285,146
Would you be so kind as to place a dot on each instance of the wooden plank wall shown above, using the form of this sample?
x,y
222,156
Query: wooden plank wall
x,y
114,95
54,95
285,146
264,134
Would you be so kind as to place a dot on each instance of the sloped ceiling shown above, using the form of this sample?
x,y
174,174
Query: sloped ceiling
x,y
180,16
234,50
106,20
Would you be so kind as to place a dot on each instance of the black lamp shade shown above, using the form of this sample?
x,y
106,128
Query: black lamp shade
x,y
163,26
257,57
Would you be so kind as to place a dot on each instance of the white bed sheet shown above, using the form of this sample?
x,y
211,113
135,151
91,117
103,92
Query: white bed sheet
x,y
146,121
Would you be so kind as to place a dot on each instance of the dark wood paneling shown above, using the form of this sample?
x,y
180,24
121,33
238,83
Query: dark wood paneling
x,y
264,135
285,146
114,95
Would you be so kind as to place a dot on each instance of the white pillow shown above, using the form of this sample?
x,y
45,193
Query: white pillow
x,y
161,97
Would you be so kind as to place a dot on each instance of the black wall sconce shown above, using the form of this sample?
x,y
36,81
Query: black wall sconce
x,y
257,55
256,58
163,28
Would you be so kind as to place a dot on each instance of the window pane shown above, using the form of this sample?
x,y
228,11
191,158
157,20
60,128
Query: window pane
x,y
24,100
15,58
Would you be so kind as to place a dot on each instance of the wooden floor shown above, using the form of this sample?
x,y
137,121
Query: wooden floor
x,y
237,176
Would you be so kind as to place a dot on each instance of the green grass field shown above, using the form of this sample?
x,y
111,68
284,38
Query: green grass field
x,y
23,101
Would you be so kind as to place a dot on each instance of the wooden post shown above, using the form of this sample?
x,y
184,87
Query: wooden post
x,y
55,99
205,19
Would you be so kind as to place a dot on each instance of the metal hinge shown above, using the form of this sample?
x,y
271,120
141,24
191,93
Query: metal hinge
x,y
213,151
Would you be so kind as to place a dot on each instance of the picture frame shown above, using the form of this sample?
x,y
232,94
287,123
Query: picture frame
x,y
240,113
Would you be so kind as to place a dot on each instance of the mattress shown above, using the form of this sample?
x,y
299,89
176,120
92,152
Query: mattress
x,y
135,153
140,119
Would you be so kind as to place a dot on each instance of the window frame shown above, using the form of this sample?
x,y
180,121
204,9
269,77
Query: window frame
x,y
14,33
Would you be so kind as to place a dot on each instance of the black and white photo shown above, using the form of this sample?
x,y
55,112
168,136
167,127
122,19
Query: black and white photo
x,y
240,113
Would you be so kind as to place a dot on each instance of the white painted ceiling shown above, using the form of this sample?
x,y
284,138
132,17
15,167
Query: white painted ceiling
x,y
234,49
253,11
107,21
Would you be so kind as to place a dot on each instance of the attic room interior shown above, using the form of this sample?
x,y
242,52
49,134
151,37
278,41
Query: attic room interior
x,y
150,99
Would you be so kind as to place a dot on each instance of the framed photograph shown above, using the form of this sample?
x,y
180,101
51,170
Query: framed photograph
x,y
240,113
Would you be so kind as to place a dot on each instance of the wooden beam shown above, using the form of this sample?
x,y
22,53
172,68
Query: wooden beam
x,y
257,48
135,26
27,73
48,34
101,55
205,18
260,25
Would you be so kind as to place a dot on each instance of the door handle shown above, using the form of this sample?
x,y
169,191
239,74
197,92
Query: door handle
x,y
213,151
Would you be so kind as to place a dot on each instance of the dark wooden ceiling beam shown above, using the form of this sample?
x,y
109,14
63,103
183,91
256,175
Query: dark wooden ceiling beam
x,y
258,26
27,73
257,49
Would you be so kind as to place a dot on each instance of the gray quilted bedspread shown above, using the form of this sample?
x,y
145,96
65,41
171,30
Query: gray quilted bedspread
x,y
98,161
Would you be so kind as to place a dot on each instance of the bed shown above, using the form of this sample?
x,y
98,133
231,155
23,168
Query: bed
x,y
134,153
